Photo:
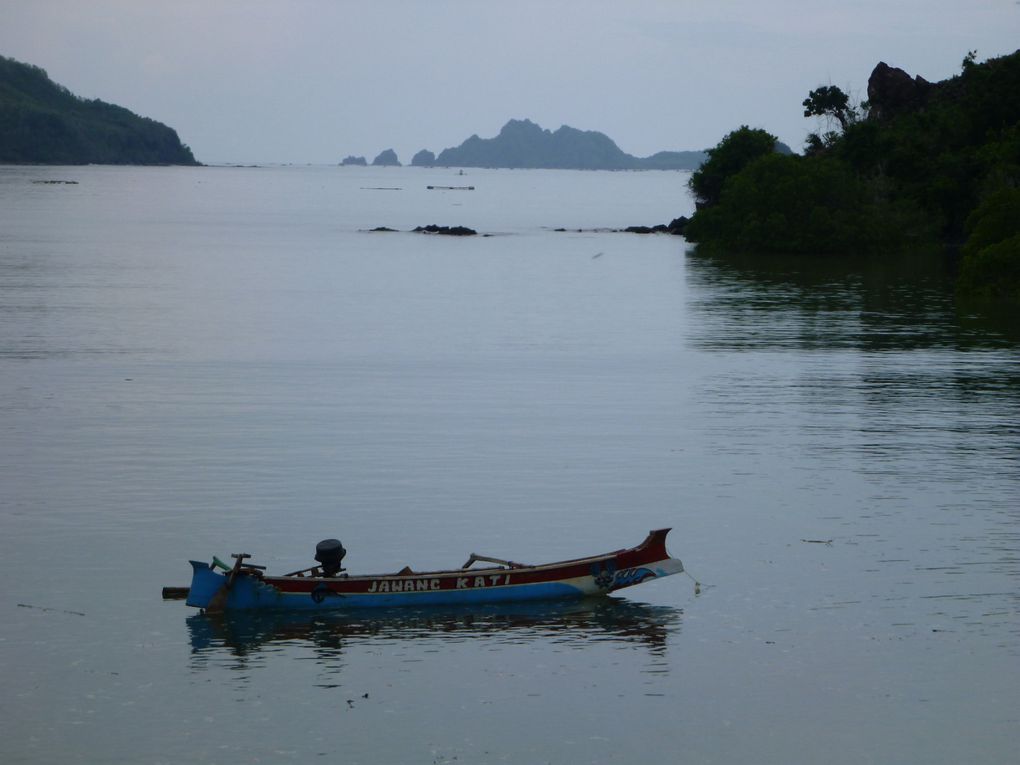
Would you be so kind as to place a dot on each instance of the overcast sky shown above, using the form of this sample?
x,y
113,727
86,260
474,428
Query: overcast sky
x,y
314,80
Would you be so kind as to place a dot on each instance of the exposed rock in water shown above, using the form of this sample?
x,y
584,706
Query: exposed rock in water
x,y
446,230
657,229
675,227
352,160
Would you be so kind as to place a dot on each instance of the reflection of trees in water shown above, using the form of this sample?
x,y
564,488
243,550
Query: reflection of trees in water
x,y
747,302
879,361
241,637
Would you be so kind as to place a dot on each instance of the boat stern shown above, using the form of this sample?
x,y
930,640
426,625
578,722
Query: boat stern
x,y
205,583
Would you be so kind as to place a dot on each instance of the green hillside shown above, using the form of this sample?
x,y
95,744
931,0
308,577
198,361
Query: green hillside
x,y
44,123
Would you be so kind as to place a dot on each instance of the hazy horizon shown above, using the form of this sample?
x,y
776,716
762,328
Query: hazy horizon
x,y
315,81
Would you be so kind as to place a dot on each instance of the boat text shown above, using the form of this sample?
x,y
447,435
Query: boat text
x,y
428,585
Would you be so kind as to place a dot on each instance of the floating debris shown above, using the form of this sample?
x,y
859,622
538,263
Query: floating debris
x,y
54,610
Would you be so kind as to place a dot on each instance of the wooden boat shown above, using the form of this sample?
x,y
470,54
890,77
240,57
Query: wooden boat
x,y
218,587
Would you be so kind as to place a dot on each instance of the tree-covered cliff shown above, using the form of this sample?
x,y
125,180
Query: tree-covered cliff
x,y
44,123
919,166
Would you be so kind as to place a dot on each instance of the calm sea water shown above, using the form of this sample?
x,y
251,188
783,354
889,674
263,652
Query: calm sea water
x,y
214,360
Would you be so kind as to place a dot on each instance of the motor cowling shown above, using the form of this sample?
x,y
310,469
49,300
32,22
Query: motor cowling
x,y
330,554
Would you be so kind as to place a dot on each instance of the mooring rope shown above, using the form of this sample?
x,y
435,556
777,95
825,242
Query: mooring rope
x,y
697,584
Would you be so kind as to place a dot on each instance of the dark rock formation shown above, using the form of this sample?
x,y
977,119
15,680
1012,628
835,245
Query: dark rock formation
x,y
351,160
675,227
423,158
892,91
445,230
387,158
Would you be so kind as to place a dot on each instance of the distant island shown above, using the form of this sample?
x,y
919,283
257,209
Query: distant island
x,y
42,122
523,144
386,158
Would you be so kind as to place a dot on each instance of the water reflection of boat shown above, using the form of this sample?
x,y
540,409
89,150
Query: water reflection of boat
x,y
576,623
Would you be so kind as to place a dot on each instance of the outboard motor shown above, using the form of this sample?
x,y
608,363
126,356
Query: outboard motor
x,y
330,553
